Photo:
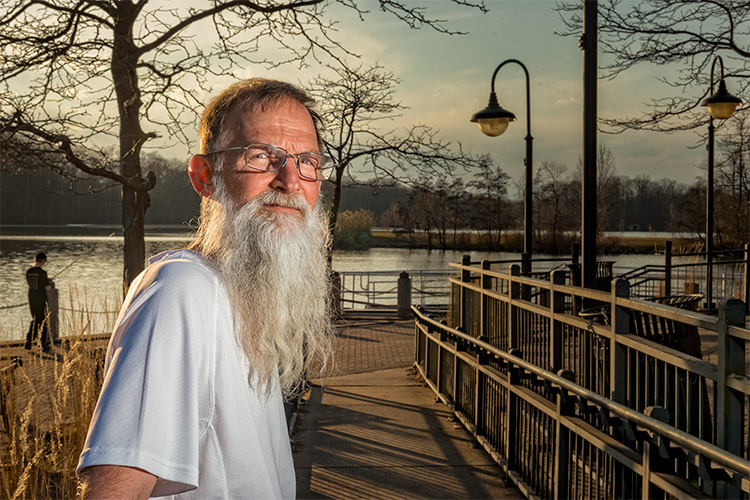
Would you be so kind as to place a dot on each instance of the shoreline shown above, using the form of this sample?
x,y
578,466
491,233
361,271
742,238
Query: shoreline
x,y
639,242
607,244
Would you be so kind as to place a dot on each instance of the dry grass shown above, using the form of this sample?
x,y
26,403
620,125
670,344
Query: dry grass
x,y
48,403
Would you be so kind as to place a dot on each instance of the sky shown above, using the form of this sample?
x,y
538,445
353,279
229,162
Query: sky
x,y
445,79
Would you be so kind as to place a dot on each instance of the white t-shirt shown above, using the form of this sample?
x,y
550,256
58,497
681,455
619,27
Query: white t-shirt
x,y
177,401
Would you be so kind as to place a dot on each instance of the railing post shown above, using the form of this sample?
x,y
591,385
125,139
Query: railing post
x,y
652,461
417,335
668,268
511,419
336,289
620,323
565,407
557,306
53,302
526,271
525,264
465,278
486,285
514,290
709,276
404,295
575,277
747,278
479,386
729,402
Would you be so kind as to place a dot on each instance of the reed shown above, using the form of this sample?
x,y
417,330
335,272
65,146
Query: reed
x,y
48,404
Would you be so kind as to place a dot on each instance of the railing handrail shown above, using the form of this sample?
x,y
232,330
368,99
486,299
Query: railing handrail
x,y
693,443
642,305
435,272
640,271
703,253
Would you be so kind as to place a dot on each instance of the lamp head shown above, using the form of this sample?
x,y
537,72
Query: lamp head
x,y
493,120
722,104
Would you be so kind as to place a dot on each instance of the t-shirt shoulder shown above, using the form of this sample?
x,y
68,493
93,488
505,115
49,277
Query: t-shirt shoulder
x,y
172,280
185,268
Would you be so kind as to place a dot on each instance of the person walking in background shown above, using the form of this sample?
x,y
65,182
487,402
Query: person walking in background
x,y
39,284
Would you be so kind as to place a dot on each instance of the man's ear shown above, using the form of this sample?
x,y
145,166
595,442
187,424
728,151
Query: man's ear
x,y
201,172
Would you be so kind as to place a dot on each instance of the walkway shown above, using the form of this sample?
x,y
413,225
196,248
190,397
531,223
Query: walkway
x,y
375,430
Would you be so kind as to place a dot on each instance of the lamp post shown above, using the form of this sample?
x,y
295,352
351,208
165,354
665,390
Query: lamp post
x,y
493,121
721,105
589,44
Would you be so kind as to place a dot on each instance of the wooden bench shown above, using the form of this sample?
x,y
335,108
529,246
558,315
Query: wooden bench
x,y
668,332
664,331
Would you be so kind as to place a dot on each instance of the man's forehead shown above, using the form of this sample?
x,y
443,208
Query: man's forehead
x,y
242,117
282,105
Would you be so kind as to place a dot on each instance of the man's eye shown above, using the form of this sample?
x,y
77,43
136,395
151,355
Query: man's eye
x,y
309,160
257,154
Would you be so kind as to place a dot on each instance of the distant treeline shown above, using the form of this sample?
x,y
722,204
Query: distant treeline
x,y
436,206
42,197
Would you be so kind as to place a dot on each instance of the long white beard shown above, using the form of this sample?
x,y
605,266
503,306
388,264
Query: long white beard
x,y
273,265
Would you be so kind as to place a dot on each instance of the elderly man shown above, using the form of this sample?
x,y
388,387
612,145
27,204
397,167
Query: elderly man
x,y
211,338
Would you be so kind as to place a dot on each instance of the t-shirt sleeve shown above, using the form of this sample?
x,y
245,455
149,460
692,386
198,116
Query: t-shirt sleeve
x,y
148,413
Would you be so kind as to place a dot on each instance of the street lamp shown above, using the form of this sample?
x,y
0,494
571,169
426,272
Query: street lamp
x,y
721,105
493,121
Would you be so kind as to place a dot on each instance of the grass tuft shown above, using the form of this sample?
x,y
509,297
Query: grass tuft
x,y
48,402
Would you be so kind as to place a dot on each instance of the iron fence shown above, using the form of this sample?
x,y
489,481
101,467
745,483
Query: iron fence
x,y
727,270
379,289
573,404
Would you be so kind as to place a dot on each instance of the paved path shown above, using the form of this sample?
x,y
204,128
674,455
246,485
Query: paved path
x,y
375,430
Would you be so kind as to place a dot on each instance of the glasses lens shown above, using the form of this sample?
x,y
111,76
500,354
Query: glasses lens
x,y
264,158
310,165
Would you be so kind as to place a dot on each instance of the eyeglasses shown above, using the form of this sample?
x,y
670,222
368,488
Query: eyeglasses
x,y
268,158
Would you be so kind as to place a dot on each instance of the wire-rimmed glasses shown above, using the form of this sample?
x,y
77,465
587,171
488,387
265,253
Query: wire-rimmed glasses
x,y
268,158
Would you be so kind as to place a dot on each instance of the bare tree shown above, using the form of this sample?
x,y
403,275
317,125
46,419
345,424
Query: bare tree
x,y
490,184
608,188
79,74
733,183
356,105
684,34
550,188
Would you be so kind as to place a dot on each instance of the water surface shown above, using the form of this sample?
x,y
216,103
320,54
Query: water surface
x,y
86,264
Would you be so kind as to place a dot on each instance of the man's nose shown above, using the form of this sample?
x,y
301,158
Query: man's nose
x,y
287,177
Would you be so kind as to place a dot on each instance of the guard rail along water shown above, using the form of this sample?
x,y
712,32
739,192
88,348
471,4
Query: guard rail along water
x,y
381,289
579,393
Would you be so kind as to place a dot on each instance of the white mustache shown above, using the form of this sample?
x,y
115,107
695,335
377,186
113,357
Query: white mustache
x,y
283,200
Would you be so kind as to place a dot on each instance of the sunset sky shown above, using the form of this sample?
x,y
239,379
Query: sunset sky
x,y
445,79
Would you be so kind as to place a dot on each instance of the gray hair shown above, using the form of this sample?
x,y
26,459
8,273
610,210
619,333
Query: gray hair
x,y
246,95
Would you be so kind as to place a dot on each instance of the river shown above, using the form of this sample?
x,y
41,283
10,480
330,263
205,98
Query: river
x,y
86,264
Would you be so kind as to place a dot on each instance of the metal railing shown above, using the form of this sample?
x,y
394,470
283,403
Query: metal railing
x,y
571,408
688,273
379,289
429,288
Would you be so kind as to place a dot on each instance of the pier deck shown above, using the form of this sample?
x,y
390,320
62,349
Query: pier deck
x,y
371,430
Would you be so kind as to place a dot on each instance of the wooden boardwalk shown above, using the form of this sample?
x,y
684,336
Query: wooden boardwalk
x,y
401,443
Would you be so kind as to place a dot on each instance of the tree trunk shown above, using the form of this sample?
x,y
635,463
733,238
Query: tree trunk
x,y
134,203
334,215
